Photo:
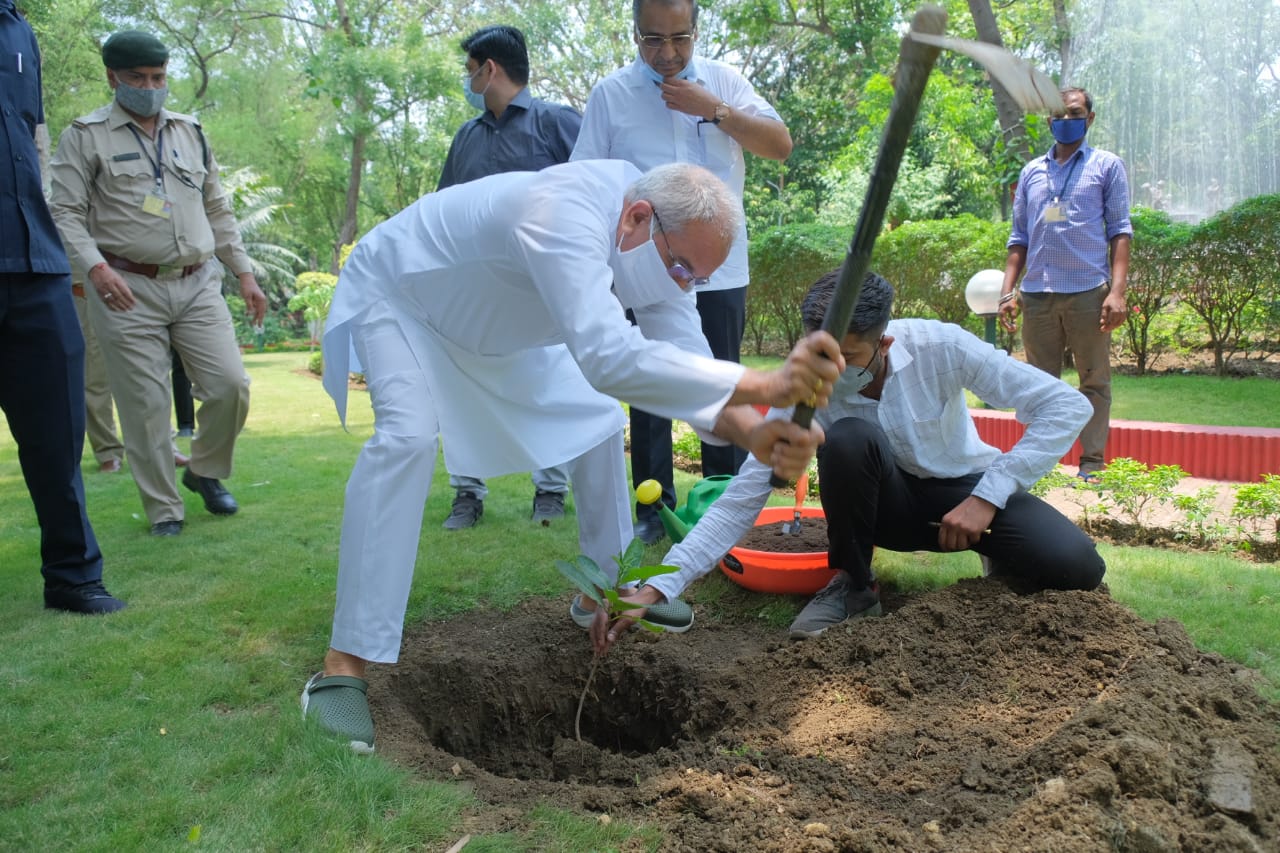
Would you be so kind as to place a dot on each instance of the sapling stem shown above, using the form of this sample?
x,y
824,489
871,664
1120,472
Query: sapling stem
x,y
582,699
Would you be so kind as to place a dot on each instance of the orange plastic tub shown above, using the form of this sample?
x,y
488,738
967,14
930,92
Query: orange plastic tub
x,y
769,571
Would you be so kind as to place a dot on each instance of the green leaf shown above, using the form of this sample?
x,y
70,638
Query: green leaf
x,y
641,573
632,556
586,576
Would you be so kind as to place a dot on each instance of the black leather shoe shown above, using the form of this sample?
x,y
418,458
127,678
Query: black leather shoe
x,y
649,529
172,527
89,597
216,498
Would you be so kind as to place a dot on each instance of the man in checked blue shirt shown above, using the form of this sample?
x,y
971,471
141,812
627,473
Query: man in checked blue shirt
x,y
1071,235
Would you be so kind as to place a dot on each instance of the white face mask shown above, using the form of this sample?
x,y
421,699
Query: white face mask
x,y
640,275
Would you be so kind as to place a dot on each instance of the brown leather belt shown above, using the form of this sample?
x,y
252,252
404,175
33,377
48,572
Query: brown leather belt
x,y
148,270
78,290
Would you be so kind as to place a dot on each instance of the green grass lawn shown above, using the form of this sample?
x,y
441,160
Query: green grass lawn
x,y
178,718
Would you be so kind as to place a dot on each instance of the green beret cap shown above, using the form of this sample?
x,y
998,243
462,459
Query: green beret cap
x,y
134,49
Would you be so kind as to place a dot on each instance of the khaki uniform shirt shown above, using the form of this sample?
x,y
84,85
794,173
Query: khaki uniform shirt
x,y
103,171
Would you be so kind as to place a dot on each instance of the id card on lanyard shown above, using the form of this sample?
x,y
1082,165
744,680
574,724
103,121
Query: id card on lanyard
x,y
1057,209
156,202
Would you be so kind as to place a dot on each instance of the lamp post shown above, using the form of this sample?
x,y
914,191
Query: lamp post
x,y
982,293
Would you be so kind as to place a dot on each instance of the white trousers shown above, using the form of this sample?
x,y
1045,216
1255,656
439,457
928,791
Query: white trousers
x,y
388,488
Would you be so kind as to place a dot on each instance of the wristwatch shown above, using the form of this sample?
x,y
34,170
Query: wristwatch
x,y
720,113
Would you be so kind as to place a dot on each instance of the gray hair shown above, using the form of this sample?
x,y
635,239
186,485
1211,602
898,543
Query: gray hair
x,y
685,193
638,5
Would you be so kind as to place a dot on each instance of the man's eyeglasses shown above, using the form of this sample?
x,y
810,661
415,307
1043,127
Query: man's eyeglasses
x,y
678,271
679,41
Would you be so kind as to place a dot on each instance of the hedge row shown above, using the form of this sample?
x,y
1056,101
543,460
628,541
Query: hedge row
x,y
1214,285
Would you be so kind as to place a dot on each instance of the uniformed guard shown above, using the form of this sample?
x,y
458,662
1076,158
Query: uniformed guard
x,y
136,198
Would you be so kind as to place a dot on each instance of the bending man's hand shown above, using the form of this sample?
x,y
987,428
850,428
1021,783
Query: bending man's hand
x,y
785,446
813,366
605,633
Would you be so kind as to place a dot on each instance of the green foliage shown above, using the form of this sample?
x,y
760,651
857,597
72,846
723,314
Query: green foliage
x,y
584,573
687,444
1129,486
1236,255
1197,510
313,294
929,264
785,262
1055,479
1257,505
1158,272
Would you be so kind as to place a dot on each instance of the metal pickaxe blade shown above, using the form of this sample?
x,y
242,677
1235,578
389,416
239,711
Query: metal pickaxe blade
x,y
1031,88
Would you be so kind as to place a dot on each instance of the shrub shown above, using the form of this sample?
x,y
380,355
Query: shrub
x,y
929,264
1158,271
785,261
1130,486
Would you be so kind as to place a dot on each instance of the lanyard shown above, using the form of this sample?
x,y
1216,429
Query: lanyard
x,y
1066,184
157,162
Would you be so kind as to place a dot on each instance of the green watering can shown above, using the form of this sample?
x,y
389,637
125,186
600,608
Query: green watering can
x,y
678,521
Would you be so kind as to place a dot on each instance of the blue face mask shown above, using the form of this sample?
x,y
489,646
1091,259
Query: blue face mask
x,y
475,99
685,73
1068,130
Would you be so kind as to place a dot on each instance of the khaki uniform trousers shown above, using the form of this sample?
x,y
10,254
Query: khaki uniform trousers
x,y
1054,322
189,315
100,419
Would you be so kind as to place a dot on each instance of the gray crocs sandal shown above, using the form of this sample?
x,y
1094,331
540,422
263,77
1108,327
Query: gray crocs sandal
x,y
673,616
338,703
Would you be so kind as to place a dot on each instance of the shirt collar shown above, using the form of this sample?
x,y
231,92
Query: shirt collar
x,y
1082,152
637,78
120,118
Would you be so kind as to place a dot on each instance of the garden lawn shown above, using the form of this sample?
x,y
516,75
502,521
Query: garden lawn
x,y
176,722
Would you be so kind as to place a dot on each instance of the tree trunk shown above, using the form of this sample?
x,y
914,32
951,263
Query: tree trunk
x,y
1012,129
1065,41
350,218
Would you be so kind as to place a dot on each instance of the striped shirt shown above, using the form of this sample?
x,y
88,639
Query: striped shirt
x,y
1067,252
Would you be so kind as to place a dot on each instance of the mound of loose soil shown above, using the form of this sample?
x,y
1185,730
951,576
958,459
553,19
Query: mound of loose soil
x,y
969,718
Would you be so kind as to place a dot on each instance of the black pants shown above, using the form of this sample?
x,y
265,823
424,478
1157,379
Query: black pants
x,y
42,395
184,407
869,501
723,314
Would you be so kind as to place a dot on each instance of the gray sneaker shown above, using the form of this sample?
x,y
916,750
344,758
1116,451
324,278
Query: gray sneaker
x,y
547,507
467,510
833,604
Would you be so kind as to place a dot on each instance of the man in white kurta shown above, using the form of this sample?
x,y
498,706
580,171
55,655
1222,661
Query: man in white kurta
x,y
492,313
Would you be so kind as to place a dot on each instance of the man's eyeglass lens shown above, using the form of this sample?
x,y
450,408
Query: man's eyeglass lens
x,y
677,270
655,42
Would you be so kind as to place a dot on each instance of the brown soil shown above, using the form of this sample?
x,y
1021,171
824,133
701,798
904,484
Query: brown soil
x,y
811,537
966,719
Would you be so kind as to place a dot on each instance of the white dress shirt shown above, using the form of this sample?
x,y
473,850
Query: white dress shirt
x,y
527,344
924,414
626,119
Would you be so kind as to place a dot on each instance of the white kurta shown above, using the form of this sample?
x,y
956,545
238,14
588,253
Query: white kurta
x,y
526,343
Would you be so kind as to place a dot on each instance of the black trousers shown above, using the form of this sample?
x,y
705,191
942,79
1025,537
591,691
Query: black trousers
x,y
723,314
184,406
870,502
42,395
